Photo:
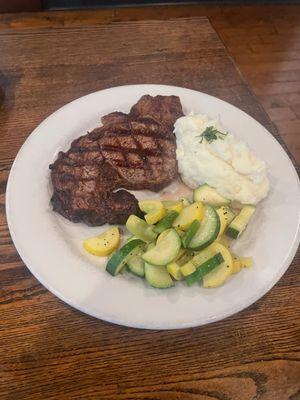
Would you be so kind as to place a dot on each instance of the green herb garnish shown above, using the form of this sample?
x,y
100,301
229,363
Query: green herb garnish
x,y
211,134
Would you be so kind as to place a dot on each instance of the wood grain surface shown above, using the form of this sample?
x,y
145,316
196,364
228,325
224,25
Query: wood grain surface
x,y
263,39
51,351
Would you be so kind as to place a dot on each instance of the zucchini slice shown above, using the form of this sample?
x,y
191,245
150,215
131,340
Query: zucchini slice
x,y
203,256
204,269
208,230
136,265
208,195
165,251
180,254
220,274
240,222
226,215
166,222
162,235
121,257
154,210
188,215
158,277
188,236
132,237
184,257
139,228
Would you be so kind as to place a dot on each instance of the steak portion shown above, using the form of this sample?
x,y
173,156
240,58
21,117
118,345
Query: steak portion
x,y
163,109
143,154
129,152
115,117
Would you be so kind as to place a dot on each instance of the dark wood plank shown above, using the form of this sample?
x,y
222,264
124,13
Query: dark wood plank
x,y
262,39
132,59
20,5
51,351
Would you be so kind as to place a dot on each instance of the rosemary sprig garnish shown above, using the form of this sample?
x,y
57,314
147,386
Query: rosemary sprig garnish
x,y
211,134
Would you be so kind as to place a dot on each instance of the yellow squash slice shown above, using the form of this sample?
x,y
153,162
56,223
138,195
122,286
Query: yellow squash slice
x,y
188,215
154,210
104,244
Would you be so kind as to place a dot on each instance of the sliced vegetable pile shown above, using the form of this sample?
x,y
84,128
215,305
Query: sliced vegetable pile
x,y
178,240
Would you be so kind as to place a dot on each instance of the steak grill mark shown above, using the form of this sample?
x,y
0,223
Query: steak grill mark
x,y
134,151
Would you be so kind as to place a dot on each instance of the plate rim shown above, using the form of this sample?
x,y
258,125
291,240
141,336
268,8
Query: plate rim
x,y
119,321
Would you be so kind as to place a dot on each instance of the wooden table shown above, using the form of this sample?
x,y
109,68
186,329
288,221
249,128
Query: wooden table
x,y
51,351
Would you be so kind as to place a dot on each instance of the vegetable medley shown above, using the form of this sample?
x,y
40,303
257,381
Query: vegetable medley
x,y
178,240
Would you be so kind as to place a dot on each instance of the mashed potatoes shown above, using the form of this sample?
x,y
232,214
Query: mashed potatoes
x,y
219,160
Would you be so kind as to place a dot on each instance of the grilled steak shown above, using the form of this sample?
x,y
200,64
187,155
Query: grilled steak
x,y
129,151
114,118
163,109
142,153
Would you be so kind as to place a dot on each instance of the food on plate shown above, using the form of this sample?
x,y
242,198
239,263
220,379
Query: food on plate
x,y
217,276
191,245
174,270
120,258
226,215
207,154
164,251
205,269
172,205
166,222
158,277
239,223
136,265
210,196
190,233
188,268
185,202
104,244
208,230
245,262
130,151
140,229
164,109
154,210
171,239
189,214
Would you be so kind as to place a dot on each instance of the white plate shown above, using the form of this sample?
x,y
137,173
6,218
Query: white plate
x,y
50,246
